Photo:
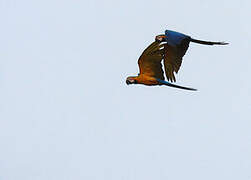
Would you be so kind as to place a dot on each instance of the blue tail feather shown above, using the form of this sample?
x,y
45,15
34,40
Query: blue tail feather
x,y
173,85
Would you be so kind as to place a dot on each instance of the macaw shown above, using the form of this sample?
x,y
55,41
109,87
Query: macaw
x,y
170,47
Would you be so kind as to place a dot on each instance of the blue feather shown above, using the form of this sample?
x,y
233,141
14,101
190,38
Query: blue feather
x,y
174,38
173,85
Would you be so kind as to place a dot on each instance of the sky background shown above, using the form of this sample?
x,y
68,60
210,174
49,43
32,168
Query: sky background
x,y
66,112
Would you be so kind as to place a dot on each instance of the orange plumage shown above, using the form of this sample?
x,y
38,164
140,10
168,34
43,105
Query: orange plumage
x,y
150,67
169,47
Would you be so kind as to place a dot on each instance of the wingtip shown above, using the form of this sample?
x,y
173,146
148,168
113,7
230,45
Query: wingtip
x,y
223,43
193,89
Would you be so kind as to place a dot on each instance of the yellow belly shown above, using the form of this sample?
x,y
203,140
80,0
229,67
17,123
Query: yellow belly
x,y
147,80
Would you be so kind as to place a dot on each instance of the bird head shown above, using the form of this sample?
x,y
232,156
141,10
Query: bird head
x,y
131,80
160,38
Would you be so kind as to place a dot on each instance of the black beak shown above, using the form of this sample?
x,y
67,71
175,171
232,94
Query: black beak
x,y
128,82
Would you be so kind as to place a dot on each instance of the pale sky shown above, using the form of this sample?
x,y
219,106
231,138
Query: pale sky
x,y
66,112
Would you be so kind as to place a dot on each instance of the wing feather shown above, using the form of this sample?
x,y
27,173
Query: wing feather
x,y
150,61
173,58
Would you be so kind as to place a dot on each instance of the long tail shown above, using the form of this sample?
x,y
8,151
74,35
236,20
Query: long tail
x,y
175,86
207,42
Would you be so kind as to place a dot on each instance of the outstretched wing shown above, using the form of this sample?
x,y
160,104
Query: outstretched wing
x,y
150,61
173,58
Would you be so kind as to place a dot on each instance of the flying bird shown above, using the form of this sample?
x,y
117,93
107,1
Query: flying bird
x,y
169,47
150,67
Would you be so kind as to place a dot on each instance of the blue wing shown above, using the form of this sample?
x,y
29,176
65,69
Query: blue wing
x,y
174,38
